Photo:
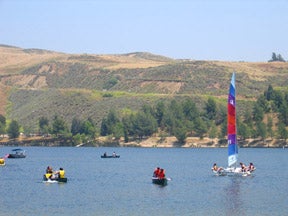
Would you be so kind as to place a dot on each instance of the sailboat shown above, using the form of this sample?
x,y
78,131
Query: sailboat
x,y
232,168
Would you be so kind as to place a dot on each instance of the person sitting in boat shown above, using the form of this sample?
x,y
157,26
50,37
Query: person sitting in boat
x,y
251,167
49,170
243,167
105,154
49,173
114,154
50,176
216,168
60,173
161,174
156,172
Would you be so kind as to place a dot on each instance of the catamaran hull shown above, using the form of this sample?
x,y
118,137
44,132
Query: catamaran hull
x,y
232,172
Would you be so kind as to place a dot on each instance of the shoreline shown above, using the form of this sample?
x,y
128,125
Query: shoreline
x,y
151,142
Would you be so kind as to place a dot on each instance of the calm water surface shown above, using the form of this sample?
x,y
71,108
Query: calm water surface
x,y
123,186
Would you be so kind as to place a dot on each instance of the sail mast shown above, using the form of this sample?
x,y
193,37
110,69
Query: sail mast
x,y
231,124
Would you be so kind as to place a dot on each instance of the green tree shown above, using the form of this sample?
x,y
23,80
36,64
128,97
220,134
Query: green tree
x,y
200,127
263,103
212,133
280,58
104,127
223,130
261,130
258,113
270,127
2,125
13,129
278,99
87,128
118,130
159,112
211,109
43,125
180,133
76,126
274,57
2,119
127,122
282,131
176,110
59,126
283,113
269,94
108,123
243,130
190,110
144,124
221,115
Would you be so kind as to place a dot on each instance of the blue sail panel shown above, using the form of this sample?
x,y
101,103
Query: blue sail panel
x,y
232,150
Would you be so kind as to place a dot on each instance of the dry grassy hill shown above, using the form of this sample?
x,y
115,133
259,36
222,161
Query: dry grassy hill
x,y
36,82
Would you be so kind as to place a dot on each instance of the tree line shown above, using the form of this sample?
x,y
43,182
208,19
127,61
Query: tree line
x,y
276,57
175,118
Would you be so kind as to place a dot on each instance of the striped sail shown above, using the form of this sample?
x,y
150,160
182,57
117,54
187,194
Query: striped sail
x,y
231,125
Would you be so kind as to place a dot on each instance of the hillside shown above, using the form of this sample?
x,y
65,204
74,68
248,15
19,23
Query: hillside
x,y
36,82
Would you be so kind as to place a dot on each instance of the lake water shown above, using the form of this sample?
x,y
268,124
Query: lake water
x,y
123,186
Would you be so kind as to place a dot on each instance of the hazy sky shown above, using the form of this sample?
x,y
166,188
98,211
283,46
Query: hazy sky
x,y
228,30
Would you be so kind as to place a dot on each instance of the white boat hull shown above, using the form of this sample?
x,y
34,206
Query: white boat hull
x,y
232,171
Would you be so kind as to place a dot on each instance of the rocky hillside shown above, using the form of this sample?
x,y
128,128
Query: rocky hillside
x,y
36,82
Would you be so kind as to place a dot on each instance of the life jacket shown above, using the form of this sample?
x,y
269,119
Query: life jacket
x,y
48,175
156,172
2,161
61,174
161,175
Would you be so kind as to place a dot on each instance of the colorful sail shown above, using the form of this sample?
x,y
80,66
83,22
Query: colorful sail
x,y
231,125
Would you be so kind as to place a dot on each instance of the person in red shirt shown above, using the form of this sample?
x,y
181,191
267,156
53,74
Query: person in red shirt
x,y
156,172
161,174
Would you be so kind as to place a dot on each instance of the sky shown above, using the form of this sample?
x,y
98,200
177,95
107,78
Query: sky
x,y
224,30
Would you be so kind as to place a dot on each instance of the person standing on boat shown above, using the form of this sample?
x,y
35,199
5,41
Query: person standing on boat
x,y
60,173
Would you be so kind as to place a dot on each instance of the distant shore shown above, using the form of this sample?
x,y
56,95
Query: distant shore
x,y
166,142
196,142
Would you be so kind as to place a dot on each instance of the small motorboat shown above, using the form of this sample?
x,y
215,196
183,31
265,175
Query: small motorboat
x,y
110,156
17,153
